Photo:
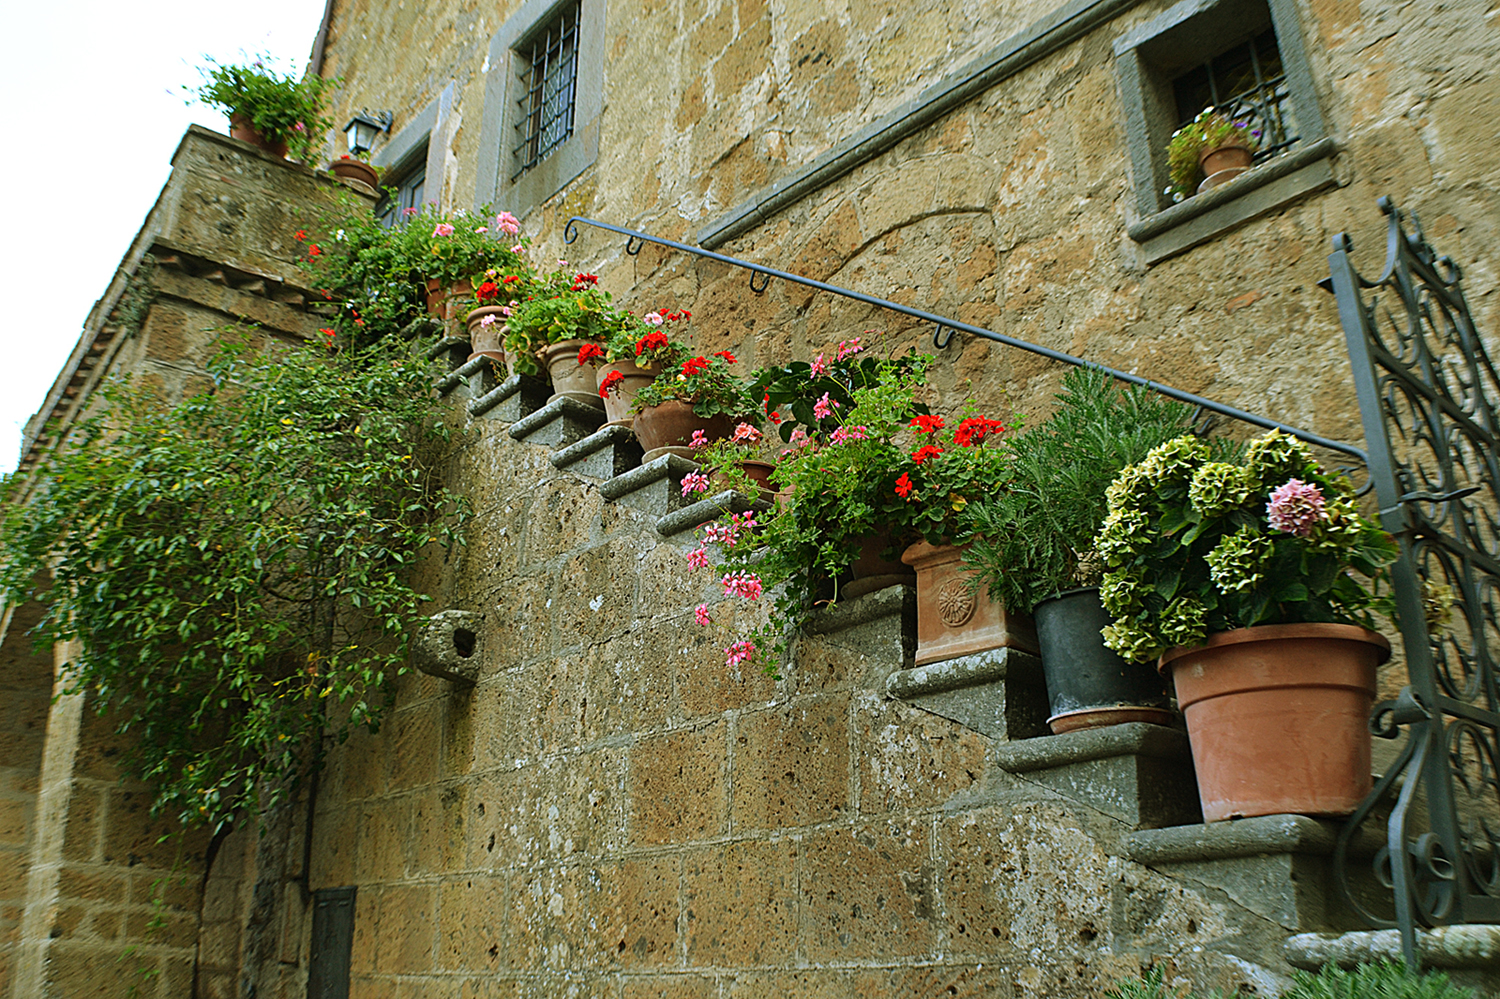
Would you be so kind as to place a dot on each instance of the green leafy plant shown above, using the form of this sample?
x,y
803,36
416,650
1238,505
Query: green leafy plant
x,y
884,471
1209,131
705,382
1383,980
1195,545
281,108
1035,538
234,568
558,311
790,392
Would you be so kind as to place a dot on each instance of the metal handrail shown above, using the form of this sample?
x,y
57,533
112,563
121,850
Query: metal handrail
x,y
636,238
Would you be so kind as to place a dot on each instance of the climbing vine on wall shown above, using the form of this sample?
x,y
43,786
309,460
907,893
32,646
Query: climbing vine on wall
x,y
236,568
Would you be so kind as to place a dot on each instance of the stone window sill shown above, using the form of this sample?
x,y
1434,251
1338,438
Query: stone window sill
x,y
1263,189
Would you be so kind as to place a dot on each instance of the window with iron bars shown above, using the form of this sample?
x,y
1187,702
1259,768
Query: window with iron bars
x,y
548,90
1247,83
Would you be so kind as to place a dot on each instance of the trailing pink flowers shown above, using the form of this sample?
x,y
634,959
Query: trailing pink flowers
x,y
848,348
739,652
700,614
694,482
1295,507
824,407
843,435
746,434
507,223
819,368
742,584
698,440
698,558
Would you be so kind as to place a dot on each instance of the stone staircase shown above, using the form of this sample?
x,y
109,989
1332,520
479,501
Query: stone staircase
x,y
1136,780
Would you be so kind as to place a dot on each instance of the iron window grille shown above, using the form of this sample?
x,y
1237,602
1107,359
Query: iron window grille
x,y
1247,83
548,92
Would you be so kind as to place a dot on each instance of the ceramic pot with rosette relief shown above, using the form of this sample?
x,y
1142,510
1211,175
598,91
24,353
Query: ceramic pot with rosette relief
x,y
954,618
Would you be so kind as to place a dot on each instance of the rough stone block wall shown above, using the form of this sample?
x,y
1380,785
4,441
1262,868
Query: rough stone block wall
x,y
25,690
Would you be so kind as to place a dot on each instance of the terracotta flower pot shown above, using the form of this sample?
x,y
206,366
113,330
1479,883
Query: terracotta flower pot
x,y
872,571
569,378
1088,685
352,169
442,301
241,128
1277,717
633,378
954,620
486,339
758,471
671,425
1225,158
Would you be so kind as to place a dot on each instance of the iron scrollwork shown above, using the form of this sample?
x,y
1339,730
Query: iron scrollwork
x,y
1428,395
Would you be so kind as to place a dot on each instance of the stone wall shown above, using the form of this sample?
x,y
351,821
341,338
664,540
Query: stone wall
x,y
25,688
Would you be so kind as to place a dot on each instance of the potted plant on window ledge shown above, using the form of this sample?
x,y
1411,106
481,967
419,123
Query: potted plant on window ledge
x,y
1208,151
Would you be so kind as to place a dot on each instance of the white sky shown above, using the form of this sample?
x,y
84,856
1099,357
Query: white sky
x,y
96,110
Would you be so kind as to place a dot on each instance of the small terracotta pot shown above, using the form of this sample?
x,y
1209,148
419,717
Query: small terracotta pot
x,y
352,169
621,396
1225,158
872,571
569,378
1277,717
486,340
759,472
442,301
954,620
671,424
241,128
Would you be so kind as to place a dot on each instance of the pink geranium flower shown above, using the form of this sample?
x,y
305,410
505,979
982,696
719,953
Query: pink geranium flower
x,y
700,614
699,439
824,407
698,558
743,584
507,223
746,434
694,482
819,367
848,348
443,229
739,652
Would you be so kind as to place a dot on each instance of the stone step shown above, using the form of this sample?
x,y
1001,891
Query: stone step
x,y
1277,866
710,508
654,488
1139,773
999,693
559,423
607,452
1469,954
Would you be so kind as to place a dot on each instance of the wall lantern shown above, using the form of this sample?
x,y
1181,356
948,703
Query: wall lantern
x,y
364,127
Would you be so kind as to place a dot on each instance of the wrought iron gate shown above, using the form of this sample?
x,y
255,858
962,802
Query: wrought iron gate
x,y
1427,395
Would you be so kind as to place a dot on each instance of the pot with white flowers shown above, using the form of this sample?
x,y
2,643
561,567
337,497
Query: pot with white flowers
x,y
1255,582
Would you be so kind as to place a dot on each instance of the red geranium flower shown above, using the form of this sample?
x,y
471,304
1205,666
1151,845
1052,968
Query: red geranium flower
x,y
695,365
589,351
487,291
927,424
313,251
610,381
728,357
904,486
651,341
921,454
510,277
301,235
975,429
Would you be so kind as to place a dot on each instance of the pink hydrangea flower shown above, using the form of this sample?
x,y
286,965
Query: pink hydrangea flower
x,y
824,407
700,614
1296,507
698,558
694,482
819,367
507,223
746,434
743,584
443,229
739,652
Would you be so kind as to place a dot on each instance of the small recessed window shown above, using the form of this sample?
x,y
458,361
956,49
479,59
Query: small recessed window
x,y
1247,83
402,190
548,90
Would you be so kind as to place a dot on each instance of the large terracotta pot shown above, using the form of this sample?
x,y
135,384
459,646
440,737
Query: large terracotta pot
x,y
1277,717
1088,685
241,128
353,169
955,619
486,340
671,424
569,378
633,378
442,301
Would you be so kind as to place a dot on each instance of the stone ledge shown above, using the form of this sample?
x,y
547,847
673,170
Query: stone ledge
x,y
1236,838
459,375
1130,739
604,454
710,508
1473,946
559,423
667,466
513,399
888,602
965,671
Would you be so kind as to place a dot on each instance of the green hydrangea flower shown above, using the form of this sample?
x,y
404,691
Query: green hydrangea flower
x,y
1235,563
1121,535
1173,461
1130,641
1184,622
1276,457
1217,488
1124,593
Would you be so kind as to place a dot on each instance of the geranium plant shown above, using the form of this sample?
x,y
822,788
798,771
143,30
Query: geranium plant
x,y
281,108
1194,545
791,393
884,470
1209,131
1035,538
703,381
562,306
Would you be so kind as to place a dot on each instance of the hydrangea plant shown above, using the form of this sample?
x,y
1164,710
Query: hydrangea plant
x,y
1194,545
